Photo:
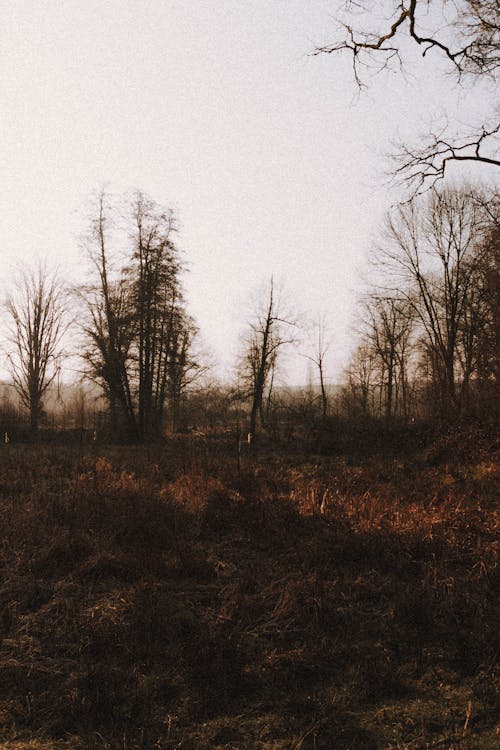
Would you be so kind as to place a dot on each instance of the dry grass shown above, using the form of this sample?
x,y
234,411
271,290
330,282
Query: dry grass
x,y
152,598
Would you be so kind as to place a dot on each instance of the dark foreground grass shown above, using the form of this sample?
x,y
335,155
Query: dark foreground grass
x,y
153,598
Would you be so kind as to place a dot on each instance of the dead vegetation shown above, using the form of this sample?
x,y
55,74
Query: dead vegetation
x,y
152,598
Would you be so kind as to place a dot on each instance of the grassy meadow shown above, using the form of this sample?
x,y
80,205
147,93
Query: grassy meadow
x,y
163,597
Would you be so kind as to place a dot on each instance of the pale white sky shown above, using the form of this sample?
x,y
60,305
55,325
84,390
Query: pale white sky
x,y
215,108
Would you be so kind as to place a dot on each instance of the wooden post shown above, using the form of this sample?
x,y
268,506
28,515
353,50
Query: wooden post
x,y
238,449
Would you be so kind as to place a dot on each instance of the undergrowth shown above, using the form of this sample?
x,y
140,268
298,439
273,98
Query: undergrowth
x,y
161,598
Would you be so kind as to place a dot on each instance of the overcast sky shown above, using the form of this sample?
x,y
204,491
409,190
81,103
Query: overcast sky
x,y
272,162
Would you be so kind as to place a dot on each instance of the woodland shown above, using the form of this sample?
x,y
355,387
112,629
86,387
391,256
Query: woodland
x,y
193,562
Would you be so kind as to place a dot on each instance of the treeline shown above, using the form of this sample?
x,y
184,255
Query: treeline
x,y
135,335
429,333
428,329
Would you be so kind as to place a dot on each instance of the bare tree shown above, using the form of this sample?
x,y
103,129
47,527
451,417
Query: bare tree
x,y
388,324
431,255
479,334
157,302
184,365
465,33
269,332
37,318
361,382
488,342
110,327
320,347
138,332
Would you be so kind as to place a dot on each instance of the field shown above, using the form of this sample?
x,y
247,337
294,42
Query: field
x,y
165,597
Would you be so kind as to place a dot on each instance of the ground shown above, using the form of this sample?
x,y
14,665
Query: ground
x,y
165,597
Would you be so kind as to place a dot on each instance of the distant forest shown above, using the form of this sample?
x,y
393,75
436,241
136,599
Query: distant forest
x,y
427,331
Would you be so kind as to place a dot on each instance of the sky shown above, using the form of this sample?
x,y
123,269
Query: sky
x,y
271,160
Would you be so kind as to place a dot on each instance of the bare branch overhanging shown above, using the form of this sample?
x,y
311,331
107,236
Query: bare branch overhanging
x,y
469,40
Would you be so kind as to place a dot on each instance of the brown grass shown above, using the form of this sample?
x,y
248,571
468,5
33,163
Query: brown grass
x,y
152,598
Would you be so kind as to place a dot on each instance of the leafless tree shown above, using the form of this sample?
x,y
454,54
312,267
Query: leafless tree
x,y
320,348
138,330
157,301
489,284
466,33
270,331
479,334
184,364
388,323
37,325
431,254
110,327
361,380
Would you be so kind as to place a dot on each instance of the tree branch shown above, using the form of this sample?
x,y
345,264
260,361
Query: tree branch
x,y
423,167
477,25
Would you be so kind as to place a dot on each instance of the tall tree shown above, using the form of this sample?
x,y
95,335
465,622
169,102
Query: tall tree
x,y
111,326
488,289
270,331
479,334
388,323
156,297
358,395
137,329
431,254
37,324
320,347
184,364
